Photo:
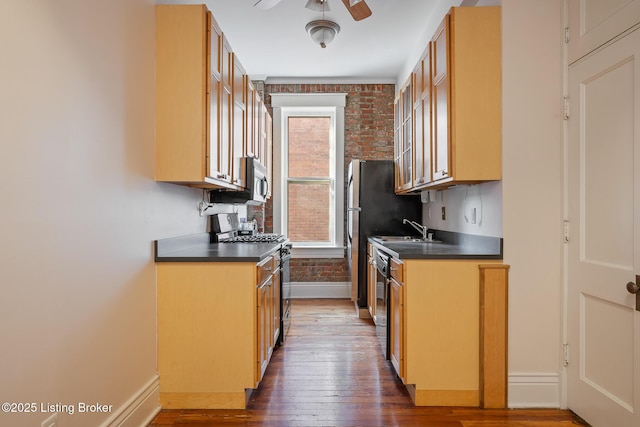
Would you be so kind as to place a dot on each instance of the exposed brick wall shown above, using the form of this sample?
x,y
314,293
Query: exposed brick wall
x,y
319,270
368,136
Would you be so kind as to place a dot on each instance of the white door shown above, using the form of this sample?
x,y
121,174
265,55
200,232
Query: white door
x,y
592,23
604,244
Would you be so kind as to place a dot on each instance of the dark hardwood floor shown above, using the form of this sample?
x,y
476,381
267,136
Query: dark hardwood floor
x,y
331,372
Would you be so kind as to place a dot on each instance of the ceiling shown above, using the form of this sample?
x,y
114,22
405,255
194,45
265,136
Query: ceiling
x,y
274,46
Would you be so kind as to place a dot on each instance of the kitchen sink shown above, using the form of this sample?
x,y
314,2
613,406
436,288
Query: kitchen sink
x,y
403,239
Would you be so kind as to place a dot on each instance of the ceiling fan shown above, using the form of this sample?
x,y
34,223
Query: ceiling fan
x,y
357,8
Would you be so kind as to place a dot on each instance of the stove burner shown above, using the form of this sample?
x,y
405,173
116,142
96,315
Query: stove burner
x,y
256,238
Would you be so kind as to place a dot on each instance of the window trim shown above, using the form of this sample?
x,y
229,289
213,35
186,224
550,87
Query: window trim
x,y
285,105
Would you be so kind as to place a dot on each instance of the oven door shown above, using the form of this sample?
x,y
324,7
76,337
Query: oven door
x,y
285,292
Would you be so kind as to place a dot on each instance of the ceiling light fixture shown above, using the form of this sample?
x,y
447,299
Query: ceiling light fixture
x,y
322,31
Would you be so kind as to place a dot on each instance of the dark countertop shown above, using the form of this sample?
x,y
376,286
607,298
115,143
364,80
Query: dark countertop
x,y
196,248
452,246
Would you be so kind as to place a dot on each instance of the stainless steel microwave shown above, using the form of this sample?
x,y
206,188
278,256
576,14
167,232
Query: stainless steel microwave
x,y
256,189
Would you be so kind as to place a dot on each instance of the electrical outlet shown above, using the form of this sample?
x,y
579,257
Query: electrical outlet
x,y
444,214
51,421
202,206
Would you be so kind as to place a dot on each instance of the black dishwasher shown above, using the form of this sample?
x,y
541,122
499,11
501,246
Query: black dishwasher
x,y
382,301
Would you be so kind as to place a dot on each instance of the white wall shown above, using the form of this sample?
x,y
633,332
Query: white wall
x,y
439,11
80,208
528,212
460,203
533,190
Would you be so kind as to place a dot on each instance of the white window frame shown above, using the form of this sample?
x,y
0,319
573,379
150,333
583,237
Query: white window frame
x,y
299,105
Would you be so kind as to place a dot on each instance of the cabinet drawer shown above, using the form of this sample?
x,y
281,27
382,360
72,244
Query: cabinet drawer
x,y
396,267
265,269
276,260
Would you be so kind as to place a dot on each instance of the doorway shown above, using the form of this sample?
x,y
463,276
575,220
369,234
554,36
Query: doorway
x,y
603,253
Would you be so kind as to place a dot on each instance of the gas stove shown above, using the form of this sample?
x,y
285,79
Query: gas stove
x,y
225,228
254,238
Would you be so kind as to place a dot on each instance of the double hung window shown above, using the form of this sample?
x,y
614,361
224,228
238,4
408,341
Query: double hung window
x,y
308,172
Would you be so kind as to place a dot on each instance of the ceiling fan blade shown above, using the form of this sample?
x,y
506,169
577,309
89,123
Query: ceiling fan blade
x,y
359,10
265,4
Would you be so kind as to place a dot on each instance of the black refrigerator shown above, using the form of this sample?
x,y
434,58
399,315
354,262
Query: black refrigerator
x,y
373,209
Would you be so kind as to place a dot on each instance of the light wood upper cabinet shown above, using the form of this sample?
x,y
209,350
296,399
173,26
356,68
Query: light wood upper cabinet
x,y
266,145
465,124
207,119
397,143
475,95
187,91
226,112
239,121
253,123
213,118
404,137
422,119
441,95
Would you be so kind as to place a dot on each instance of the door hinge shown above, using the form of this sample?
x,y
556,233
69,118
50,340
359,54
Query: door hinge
x,y
565,230
565,355
566,34
565,113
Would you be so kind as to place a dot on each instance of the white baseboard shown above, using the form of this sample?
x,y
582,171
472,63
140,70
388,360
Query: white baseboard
x,y
534,390
140,409
320,289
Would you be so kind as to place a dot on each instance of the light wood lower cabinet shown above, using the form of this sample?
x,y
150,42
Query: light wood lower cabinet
x,y
216,331
434,325
371,282
397,327
268,312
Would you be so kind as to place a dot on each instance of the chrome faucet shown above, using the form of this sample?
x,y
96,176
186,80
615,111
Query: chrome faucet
x,y
421,228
